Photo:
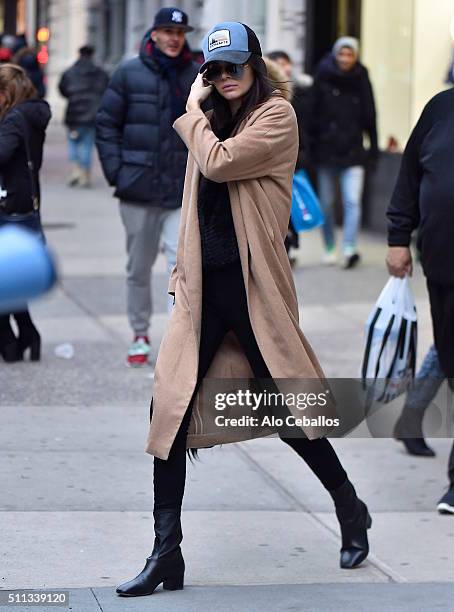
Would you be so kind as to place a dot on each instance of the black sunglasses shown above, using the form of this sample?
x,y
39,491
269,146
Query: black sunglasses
x,y
215,71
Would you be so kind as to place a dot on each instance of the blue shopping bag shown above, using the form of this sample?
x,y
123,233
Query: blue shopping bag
x,y
306,212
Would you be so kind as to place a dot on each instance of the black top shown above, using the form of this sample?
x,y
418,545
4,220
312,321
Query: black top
x,y
217,231
424,193
341,109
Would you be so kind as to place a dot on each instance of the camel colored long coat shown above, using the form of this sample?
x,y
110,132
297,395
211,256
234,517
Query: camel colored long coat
x,y
258,163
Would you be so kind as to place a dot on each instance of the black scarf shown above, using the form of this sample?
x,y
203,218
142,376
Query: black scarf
x,y
171,68
217,230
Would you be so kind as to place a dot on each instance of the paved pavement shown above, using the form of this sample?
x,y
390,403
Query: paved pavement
x,y
259,530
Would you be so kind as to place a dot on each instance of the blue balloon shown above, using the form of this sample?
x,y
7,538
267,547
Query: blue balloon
x,y
27,268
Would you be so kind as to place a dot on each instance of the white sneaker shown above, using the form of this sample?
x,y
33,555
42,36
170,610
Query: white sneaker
x,y
329,258
446,503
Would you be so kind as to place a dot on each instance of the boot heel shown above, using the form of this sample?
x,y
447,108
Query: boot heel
x,y
35,351
173,584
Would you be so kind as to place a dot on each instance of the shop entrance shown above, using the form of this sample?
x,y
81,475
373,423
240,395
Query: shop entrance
x,y
326,21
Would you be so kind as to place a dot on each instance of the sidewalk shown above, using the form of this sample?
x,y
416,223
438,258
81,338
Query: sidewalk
x,y
259,530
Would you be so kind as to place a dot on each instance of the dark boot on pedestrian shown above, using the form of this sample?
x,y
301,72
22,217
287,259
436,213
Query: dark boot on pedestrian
x,y
417,447
408,430
29,337
165,564
354,520
8,341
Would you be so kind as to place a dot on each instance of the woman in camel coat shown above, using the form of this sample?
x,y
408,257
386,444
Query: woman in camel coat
x,y
236,312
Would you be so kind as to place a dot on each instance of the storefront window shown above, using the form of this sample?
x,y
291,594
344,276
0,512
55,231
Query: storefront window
x,y
386,44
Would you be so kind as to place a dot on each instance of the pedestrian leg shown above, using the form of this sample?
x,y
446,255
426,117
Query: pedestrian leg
x,y
408,428
170,230
142,242
86,144
9,348
73,155
446,503
327,180
351,183
166,564
319,455
442,311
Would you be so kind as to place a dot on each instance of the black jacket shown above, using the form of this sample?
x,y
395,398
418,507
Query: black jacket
x,y
83,84
341,111
140,152
424,194
301,105
14,174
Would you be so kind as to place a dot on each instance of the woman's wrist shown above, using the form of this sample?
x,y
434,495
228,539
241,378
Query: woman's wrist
x,y
192,105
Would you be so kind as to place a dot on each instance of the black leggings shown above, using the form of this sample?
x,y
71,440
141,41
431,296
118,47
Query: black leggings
x,y
224,308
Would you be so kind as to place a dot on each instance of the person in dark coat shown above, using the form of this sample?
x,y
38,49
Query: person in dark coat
x,y
423,200
23,115
83,84
144,158
342,111
27,59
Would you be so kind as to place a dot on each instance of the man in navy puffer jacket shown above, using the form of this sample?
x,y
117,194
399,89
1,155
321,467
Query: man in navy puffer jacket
x,y
145,159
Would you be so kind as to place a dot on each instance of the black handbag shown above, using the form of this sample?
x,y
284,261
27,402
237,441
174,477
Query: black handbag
x,y
32,219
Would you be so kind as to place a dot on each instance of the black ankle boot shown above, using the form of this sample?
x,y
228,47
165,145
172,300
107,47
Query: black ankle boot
x,y
408,430
355,520
417,447
165,564
8,341
29,337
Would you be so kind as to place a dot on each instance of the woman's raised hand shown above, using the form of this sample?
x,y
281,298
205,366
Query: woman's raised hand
x,y
198,94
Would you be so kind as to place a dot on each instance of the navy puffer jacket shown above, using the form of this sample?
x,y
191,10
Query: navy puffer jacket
x,y
140,152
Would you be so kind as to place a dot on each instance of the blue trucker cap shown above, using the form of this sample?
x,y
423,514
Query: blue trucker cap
x,y
230,41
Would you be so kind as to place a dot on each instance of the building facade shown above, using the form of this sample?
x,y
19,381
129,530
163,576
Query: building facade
x,y
116,27
407,45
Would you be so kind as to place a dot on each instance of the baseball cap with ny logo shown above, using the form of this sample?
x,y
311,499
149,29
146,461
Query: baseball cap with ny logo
x,y
171,18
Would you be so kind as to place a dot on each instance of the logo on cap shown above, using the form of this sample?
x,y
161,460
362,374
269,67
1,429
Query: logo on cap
x,y
177,16
220,38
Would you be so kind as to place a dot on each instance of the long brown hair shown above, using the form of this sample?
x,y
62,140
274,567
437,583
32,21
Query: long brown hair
x,y
261,89
15,86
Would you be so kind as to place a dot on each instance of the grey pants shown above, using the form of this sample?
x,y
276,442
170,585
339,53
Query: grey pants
x,y
146,227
